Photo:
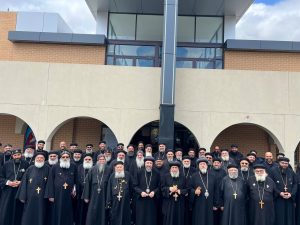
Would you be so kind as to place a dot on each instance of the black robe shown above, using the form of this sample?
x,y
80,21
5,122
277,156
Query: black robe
x,y
298,196
236,156
187,173
219,174
95,190
60,185
120,211
284,208
11,208
202,206
81,206
225,164
233,194
245,175
146,208
265,214
172,208
31,191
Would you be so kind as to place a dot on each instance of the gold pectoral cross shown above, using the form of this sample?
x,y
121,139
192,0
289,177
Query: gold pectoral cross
x,y
65,185
38,190
261,204
119,196
234,194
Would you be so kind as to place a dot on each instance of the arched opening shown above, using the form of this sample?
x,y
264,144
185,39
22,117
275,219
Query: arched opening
x,y
183,137
15,131
247,137
82,130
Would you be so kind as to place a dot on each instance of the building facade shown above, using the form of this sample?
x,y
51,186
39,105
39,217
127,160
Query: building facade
x,y
84,88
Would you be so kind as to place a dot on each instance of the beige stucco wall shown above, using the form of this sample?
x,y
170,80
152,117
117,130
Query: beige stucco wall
x,y
125,98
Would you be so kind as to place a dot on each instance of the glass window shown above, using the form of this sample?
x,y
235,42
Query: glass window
x,y
205,64
186,29
145,62
149,28
124,62
131,50
204,53
209,29
121,26
109,60
184,64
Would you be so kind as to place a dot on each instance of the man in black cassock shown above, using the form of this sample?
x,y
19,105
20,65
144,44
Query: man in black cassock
x,y
286,187
203,194
261,192
61,189
232,198
161,151
219,174
119,195
31,192
40,148
81,205
226,160
173,192
10,179
298,196
6,155
52,158
146,186
245,172
121,156
28,154
94,192
187,171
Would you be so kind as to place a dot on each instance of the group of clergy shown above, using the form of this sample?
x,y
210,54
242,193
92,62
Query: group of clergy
x,y
135,186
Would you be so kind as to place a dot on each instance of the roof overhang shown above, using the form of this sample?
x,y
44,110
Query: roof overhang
x,y
186,7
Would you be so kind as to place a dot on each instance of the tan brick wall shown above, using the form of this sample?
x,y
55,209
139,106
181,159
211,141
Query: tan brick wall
x,y
264,61
7,132
79,54
79,130
247,137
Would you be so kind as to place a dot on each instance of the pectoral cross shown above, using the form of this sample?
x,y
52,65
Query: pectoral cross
x,y
30,180
285,189
65,185
38,190
234,194
119,196
175,196
45,178
261,204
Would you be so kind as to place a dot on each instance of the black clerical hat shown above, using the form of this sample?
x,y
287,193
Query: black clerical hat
x,y
234,146
174,163
89,145
39,153
41,142
245,159
169,150
186,157
77,151
232,166
53,152
118,163
259,166
121,151
88,155
252,154
16,151
217,160
65,152
202,159
149,158
283,159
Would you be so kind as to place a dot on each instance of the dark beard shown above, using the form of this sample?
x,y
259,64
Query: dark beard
x,y
17,161
283,171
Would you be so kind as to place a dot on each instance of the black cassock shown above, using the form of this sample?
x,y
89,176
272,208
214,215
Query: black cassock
x,y
233,194
81,205
60,185
284,208
95,189
203,206
298,197
119,195
173,204
146,208
261,201
219,174
32,192
11,208
187,173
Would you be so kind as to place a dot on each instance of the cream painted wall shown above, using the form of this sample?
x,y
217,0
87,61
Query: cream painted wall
x,y
125,98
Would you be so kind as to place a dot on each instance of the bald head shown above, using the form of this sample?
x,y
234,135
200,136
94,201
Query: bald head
x,y
269,157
